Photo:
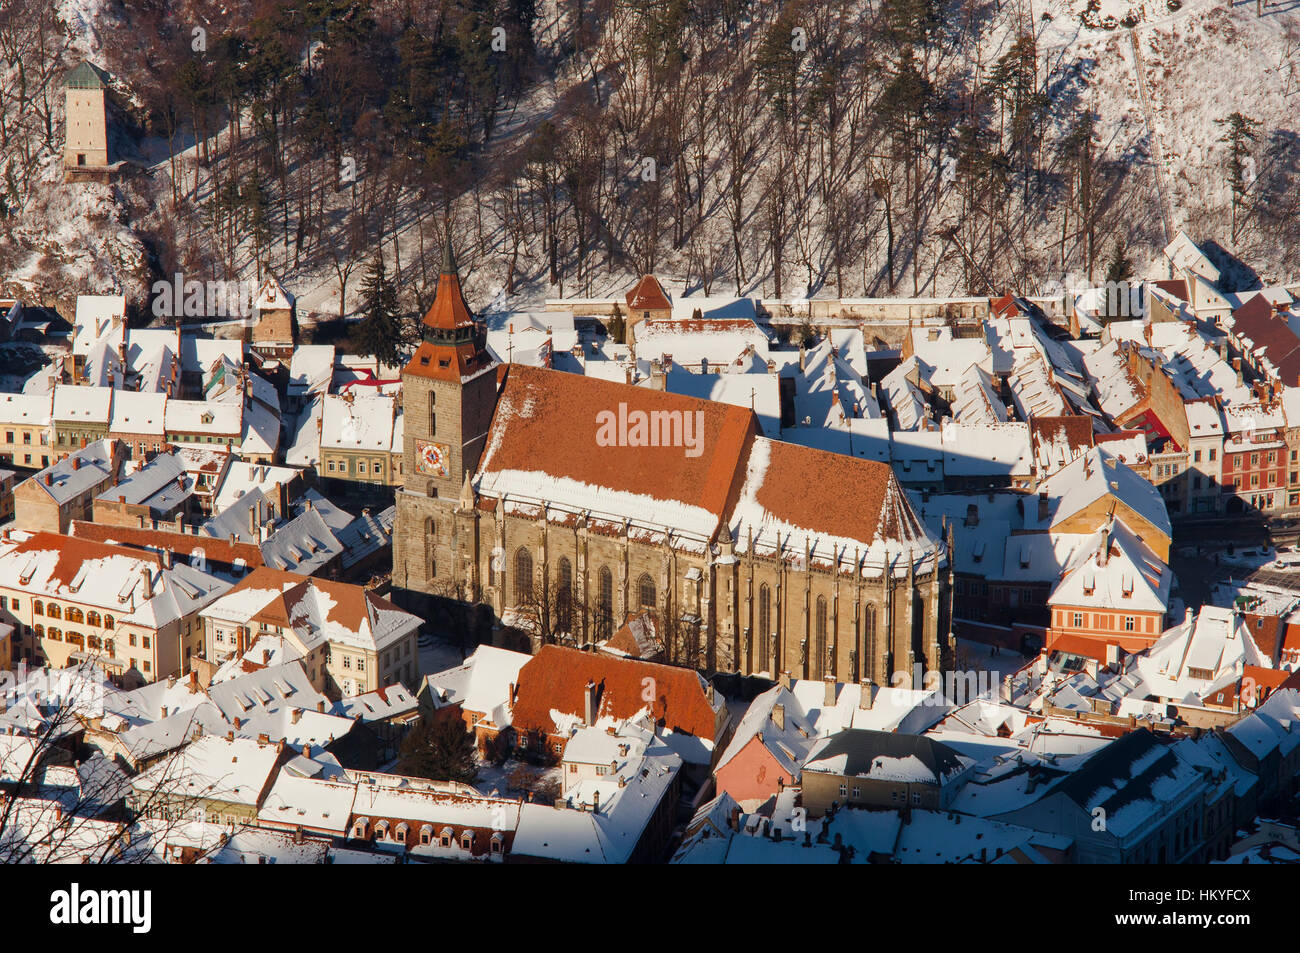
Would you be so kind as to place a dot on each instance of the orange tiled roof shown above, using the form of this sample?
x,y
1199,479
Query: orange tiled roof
x,y
556,677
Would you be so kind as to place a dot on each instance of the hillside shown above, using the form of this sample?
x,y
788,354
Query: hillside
x,y
897,148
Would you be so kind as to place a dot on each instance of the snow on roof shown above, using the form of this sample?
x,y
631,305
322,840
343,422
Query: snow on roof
x,y
984,449
834,509
138,412
480,685
27,410
99,318
243,478
273,297
1098,474
78,472
1114,569
214,768
698,344
949,357
82,404
975,399
189,421
305,433
1186,255
310,370
358,422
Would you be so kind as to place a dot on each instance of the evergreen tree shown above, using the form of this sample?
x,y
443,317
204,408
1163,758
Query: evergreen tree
x,y
1239,134
440,750
380,331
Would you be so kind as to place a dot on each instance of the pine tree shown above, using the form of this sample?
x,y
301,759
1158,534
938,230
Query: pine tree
x,y
380,331
440,750
1239,134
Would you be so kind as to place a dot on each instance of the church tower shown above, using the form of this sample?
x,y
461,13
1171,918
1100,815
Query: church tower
x,y
85,147
449,392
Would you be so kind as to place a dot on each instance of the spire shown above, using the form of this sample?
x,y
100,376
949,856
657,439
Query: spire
x,y
448,254
449,311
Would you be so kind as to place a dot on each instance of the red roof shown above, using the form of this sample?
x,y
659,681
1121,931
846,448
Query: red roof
x,y
74,552
1077,431
181,544
547,422
648,295
1079,645
449,310
1176,287
1257,320
555,679
835,495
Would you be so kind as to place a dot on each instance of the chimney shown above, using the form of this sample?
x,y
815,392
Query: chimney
x,y
1112,656
658,380
306,751
589,703
830,691
76,463
264,739
252,520
146,577
296,716
867,697
49,479
595,802
1042,506
778,716
784,680
320,706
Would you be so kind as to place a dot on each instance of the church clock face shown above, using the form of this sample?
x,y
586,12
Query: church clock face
x,y
432,459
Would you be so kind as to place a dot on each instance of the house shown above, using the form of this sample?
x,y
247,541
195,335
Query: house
x,y
479,691
559,688
222,780
26,428
351,640
767,750
858,767
131,612
275,327
65,490
1113,588
157,491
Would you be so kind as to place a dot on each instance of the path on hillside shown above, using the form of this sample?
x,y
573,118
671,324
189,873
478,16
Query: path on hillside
x,y
1153,136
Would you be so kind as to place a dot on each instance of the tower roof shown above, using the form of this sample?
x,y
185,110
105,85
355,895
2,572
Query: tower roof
x,y
86,76
449,311
648,295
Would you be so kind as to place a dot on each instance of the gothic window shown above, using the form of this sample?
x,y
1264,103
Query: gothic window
x,y
646,591
821,666
605,606
764,624
523,576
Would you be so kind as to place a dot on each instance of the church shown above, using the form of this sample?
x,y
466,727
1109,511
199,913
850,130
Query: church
x,y
754,555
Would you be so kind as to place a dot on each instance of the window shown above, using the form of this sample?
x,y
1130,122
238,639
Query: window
x,y
844,790
92,618
523,576
1213,453
108,622
132,639
645,587
361,665
821,666
146,641
764,623
916,798
347,661
1078,620
53,611
1130,623
605,607
38,607
1196,456
857,792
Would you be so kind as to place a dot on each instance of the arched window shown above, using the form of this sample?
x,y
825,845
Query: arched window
x,y
523,576
108,646
764,632
53,611
74,614
40,631
820,667
605,603
645,587
108,622
38,607
92,618
564,597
